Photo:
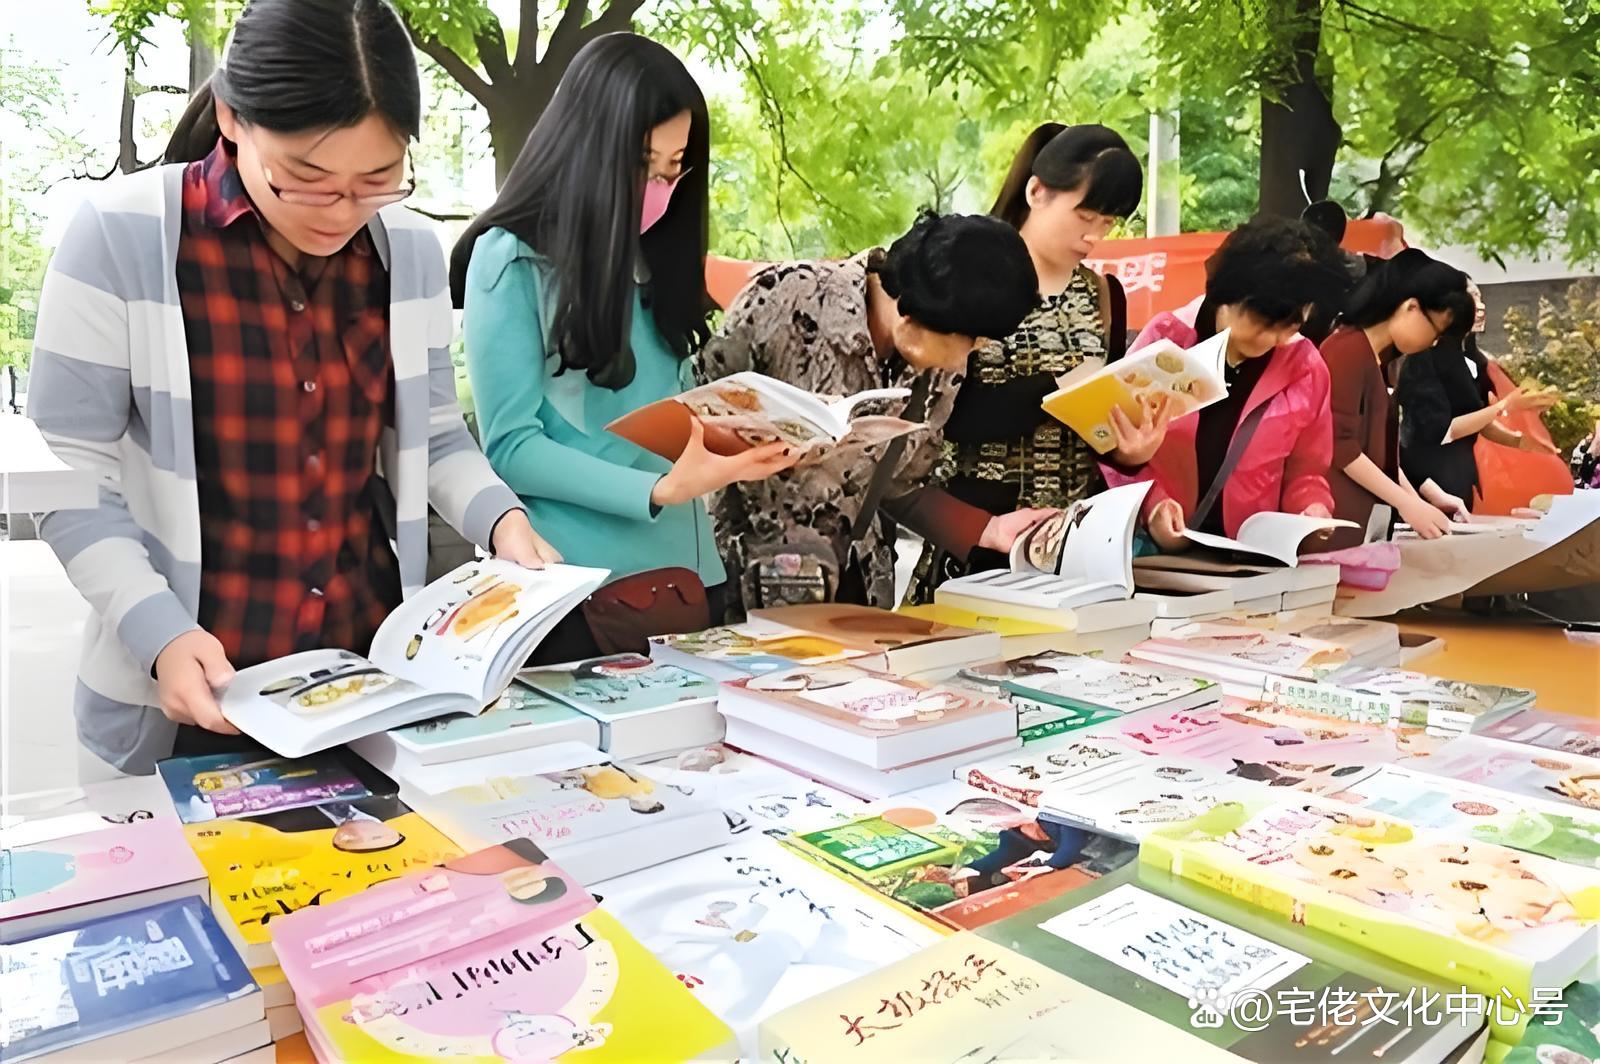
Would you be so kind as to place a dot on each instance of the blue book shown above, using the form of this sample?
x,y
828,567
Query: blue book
x,y
153,979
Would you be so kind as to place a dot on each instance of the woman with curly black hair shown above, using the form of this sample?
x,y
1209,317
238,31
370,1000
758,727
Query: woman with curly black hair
x,y
906,317
1260,285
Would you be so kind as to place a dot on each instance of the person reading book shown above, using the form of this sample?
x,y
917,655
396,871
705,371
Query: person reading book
x,y
583,292
906,317
1266,445
249,348
1404,307
1067,187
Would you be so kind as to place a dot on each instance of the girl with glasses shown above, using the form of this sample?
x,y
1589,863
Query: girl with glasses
x,y
249,348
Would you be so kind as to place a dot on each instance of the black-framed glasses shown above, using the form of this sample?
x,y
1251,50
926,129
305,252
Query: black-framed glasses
x,y
304,198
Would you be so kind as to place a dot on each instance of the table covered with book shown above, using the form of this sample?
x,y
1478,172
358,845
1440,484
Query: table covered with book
x,y
1203,818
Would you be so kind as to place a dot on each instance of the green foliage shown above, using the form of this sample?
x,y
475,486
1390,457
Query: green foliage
x,y
1560,345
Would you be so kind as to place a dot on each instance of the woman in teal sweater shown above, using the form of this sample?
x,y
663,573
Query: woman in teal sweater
x,y
583,288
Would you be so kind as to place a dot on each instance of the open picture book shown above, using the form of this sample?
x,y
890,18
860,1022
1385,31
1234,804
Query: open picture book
x,y
452,647
1270,534
1082,555
1191,379
749,409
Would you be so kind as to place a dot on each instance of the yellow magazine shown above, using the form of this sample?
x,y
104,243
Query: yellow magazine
x,y
588,992
267,866
1190,379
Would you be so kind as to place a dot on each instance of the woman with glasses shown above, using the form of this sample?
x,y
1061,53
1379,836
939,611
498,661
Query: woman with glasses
x,y
1403,307
249,348
583,291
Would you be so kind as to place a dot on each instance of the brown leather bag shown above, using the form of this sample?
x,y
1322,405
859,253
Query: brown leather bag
x,y
623,615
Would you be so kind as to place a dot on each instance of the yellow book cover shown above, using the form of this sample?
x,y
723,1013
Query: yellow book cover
x,y
966,999
588,992
1491,918
1188,379
956,617
268,866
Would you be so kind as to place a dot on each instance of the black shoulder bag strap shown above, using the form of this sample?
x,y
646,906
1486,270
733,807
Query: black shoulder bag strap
x,y
916,409
1230,461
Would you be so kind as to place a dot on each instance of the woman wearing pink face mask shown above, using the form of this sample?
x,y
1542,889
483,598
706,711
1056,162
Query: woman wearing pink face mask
x,y
583,288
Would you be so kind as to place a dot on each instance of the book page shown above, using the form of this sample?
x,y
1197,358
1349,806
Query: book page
x,y
289,701
1099,537
1174,946
448,636
1270,534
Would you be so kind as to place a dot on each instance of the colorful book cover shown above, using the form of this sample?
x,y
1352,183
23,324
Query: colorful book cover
x,y
113,975
496,956
1560,732
1521,771
755,796
958,858
220,786
755,647
1098,783
967,999
264,867
751,929
1494,918
1188,968
1251,650
110,862
29,815
1482,814
870,631
1566,1032
621,685
1084,682
1411,698
1036,719
521,710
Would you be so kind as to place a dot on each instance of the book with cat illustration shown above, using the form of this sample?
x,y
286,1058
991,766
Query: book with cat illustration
x,y
1190,379
452,647
749,409
1078,557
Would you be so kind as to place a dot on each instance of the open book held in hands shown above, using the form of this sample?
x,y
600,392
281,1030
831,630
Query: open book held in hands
x,y
748,410
1190,378
452,647
1270,534
1082,555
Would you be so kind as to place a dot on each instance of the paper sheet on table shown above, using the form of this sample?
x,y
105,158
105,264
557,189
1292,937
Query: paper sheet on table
x,y
1569,514
1433,569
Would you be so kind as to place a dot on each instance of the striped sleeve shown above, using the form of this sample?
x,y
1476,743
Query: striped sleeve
x,y
80,395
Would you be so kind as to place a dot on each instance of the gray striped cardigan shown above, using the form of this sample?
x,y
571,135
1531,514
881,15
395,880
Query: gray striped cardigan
x,y
110,392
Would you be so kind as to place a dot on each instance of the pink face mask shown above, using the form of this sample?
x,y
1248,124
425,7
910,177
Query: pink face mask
x,y
657,196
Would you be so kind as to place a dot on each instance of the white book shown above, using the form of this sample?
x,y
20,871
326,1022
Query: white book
x,y
520,719
1188,605
596,821
1298,599
853,777
446,775
1306,577
1089,683
645,708
1080,556
1357,635
1187,572
452,647
1269,534
228,1046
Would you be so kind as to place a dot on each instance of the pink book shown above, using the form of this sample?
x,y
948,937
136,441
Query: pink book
x,y
56,882
414,935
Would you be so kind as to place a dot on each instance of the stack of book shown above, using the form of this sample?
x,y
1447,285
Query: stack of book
x,y
598,820
158,983
1275,594
1448,707
866,733
1240,658
72,856
645,708
497,954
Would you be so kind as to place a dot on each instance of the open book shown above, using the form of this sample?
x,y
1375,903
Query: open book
x,y
1082,555
453,647
1270,534
748,409
1192,378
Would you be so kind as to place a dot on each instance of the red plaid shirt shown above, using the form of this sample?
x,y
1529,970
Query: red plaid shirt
x,y
292,385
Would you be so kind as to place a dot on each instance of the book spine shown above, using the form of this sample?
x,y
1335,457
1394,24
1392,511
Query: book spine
x,y
1457,959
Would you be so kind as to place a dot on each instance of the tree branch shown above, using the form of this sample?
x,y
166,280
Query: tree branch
x,y
527,36
491,42
453,65
566,38
618,15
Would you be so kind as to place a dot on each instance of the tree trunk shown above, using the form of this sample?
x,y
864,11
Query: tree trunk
x,y
510,122
1298,131
202,52
127,145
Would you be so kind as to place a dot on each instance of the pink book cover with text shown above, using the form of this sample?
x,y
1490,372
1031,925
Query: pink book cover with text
x,y
111,862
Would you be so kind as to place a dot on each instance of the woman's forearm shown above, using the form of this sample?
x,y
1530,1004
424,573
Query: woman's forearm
x,y
1475,422
1365,472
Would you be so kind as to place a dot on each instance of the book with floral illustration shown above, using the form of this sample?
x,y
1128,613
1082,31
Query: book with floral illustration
x,y
1487,916
264,867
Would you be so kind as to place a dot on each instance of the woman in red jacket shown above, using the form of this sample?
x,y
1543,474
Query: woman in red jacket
x,y
1261,284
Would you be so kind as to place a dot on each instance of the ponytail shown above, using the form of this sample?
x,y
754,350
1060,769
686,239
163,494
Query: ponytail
x,y
1090,158
1011,206
196,132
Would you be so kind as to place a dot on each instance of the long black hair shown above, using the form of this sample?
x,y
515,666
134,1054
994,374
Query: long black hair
x,y
575,195
297,65
1065,158
1412,274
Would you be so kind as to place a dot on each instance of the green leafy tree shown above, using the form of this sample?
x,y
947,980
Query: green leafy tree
x,y
1560,345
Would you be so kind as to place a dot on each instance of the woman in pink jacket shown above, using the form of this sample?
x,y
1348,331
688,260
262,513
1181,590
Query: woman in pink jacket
x,y
1261,284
